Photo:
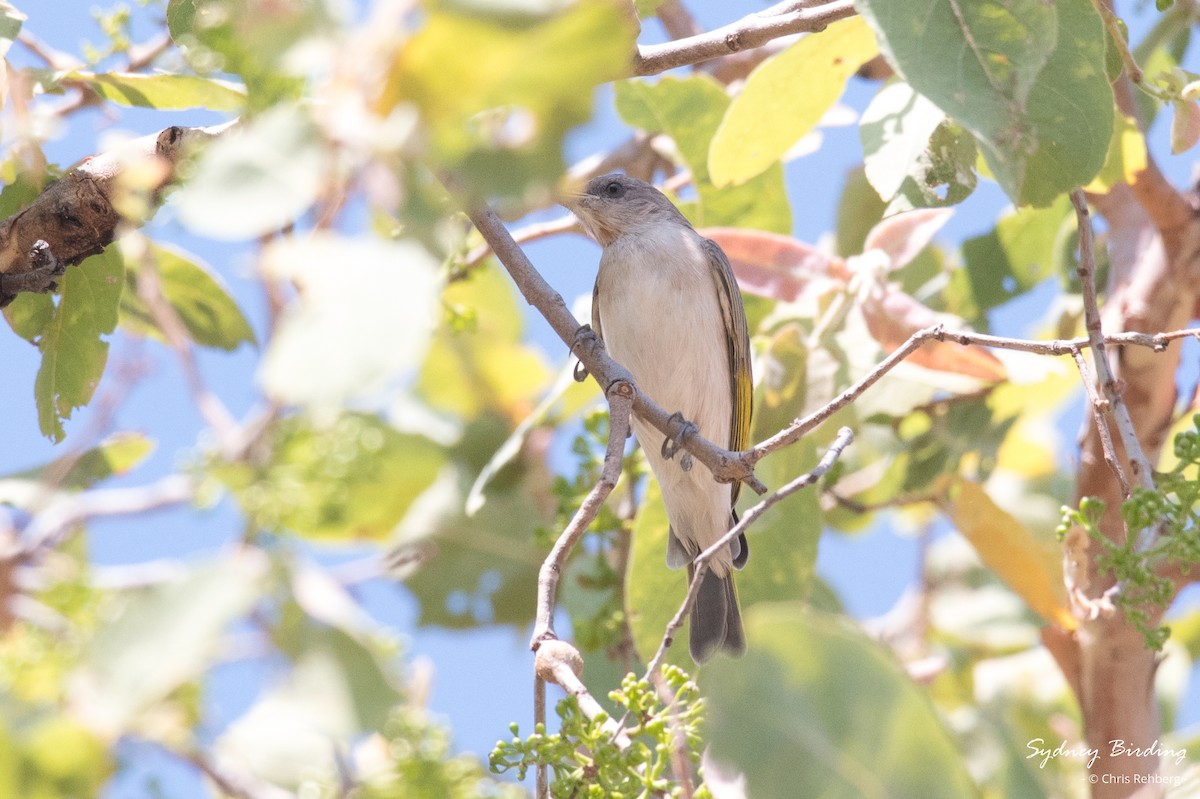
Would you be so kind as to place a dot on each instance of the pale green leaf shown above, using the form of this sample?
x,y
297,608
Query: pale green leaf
x,y
115,455
818,709
1126,155
364,317
895,130
198,295
165,92
163,638
785,97
256,178
653,593
74,351
1026,77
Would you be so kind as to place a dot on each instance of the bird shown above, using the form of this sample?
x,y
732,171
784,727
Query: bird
x,y
667,307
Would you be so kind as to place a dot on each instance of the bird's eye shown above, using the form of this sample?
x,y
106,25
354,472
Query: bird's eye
x,y
614,189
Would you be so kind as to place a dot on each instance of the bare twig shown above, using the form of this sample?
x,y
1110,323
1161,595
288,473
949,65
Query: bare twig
x,y
1100,409
1138,463
539,717
749,32
620,404
844,437
540,230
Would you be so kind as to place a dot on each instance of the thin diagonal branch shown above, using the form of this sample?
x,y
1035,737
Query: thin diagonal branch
x,y
1100,408
620,405
844,438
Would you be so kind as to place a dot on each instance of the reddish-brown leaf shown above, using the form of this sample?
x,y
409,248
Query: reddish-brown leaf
x,y
774,266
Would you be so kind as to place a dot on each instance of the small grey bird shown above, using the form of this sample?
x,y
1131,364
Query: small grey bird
x,y
667,307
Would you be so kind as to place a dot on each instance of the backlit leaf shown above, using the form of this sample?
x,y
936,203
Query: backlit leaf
x,y
163,91
1030,566
73,345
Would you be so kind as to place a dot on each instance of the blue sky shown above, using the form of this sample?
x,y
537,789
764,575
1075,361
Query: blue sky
x,y
871,569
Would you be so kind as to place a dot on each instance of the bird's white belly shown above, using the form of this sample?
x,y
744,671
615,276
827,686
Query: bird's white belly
x,y
660,317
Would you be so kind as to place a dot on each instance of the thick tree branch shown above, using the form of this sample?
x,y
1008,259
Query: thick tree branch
x,y
76,216
747,33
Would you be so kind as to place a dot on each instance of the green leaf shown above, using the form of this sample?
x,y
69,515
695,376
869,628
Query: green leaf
x,y
74,351
1019,253
350,480
10,25
772,112
364,317
198,295
499,93
690,110
165,92
1026,77
1126,155
818,709
256,178
858,210
163,638
115,455
29,315
653,593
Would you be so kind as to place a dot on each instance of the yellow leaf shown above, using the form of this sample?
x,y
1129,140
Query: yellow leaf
x,y
1126,155
1028,565
785,97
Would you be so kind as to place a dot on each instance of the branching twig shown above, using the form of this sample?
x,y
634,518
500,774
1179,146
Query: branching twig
x,y
749,32
559,662
620,404
1138,462
844,437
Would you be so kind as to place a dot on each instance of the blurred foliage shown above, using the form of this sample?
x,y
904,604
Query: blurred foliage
x,y
405,430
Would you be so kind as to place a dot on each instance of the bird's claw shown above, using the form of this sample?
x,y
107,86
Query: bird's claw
x,y
584,335
672,444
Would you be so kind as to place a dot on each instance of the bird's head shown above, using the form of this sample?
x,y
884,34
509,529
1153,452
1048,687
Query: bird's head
x,y
614,204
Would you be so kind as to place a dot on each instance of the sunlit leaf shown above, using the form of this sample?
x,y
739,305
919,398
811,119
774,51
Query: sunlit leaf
x,y
1028,80
818,709
198,295
73,345
1030,566
498,93
690,110
163,91
163,638
256,178
895,130
1126,155
364,316
772,113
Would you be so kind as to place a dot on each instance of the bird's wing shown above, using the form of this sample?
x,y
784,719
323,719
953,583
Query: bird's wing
x,y
596,310
737,342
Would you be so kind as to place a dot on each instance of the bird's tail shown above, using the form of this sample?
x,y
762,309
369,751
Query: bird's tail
x,y
716,618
